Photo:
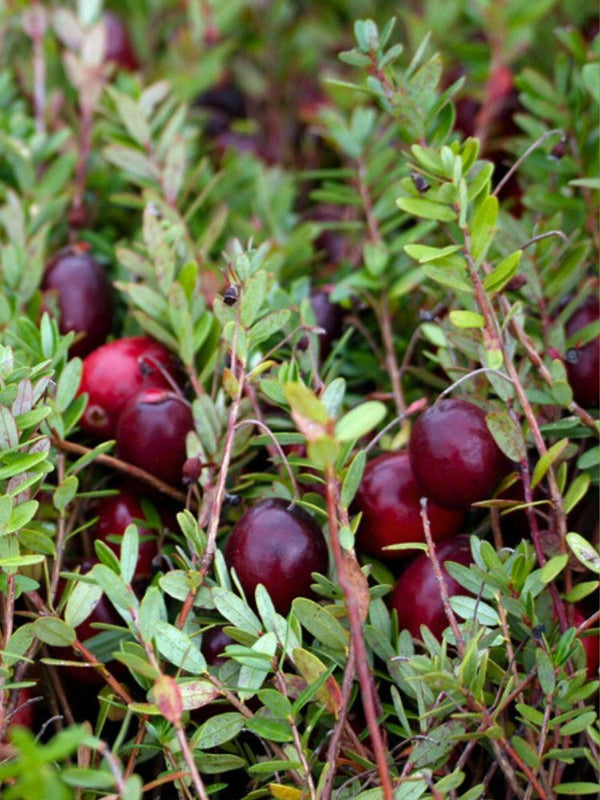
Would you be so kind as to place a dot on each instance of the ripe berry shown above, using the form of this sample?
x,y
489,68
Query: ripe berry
x,y
583,362
279,547
214,642
115,372
454,456
84,297
118,47
417,597
151,433
390,500
24,711
115,513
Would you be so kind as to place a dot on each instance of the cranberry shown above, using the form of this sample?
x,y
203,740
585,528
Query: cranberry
x,y
454,456
151,433
279,547
214,642
24,712
583,362
390,500
84,297
118,48
417,597
115,372
115,513
591,645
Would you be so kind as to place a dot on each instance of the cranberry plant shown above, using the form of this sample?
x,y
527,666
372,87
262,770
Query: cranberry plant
x,y
344,542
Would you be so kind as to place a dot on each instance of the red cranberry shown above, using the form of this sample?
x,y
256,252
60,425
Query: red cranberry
x,y
454,456
115,513
591,645
214,642
390,500
24,712
151,433
417,597
84,297
118,48
115,372
279,547
583,362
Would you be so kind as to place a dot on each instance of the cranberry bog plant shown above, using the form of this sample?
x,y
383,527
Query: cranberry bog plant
x,y
247,250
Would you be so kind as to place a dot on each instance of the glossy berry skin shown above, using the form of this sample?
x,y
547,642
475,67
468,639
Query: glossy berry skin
x,y
417,597
151,433
454,456
115,372
84,297
118,47
583,362
279,547
390,500
115,513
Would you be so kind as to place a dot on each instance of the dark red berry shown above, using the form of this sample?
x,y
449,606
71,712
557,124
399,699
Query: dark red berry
x,y
214,642
83,296
115,372
24,711
417,597
118,47
454,456
583,361
279,547
591,645
151,433
115,513
389,498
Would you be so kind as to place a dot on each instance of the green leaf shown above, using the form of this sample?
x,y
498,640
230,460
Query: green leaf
x,y
584,552
577,789
545,462
449,276
82,601
426,209
130,544
554,567
482,227
65,492
424,253
253,297
218,730
68,384
353,478
274,730
467,319
113,586
590,75
53,631
320,623
235,610
576,492
304,402
581,723
545,670
471,608
178,648
497,279
507,435
268,325
359,421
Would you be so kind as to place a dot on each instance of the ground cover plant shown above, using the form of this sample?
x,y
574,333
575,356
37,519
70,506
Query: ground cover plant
x,y
299,362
